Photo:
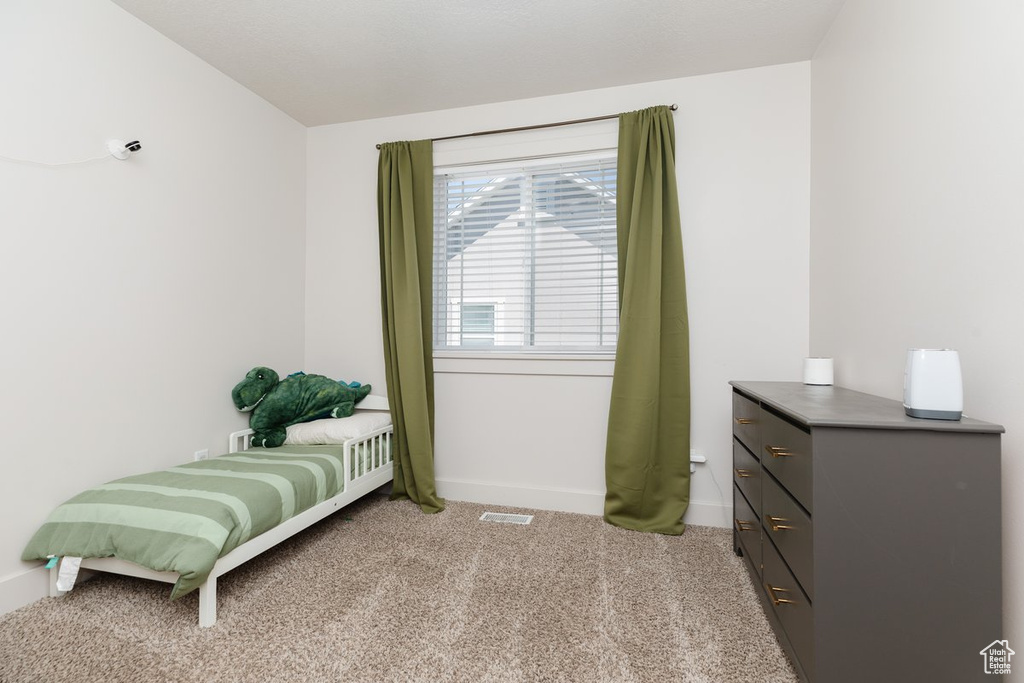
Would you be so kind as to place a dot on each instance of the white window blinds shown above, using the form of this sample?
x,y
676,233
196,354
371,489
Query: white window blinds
x,y
525,258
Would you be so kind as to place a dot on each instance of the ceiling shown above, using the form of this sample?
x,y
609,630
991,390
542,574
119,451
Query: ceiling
x,y
330,61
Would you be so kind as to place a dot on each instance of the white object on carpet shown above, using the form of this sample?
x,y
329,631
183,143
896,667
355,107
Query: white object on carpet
x,y
505,517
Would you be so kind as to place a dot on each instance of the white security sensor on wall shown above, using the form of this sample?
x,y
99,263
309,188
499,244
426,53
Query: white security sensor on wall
x,y
119,149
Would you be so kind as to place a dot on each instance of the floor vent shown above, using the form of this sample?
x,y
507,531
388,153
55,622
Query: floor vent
x,y
506,518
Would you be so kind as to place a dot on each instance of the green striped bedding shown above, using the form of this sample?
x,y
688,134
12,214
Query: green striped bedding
x,y
182,519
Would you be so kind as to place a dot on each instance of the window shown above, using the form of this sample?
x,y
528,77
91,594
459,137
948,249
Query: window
x,y
477,324
525,257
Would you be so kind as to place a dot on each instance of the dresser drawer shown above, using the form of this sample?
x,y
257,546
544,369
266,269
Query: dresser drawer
x,y
745,417
748,529
786,453
791,607
746,474
789,528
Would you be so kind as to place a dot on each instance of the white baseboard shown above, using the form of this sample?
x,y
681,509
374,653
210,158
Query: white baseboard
x,y
24,588
563,500
708,514
535,498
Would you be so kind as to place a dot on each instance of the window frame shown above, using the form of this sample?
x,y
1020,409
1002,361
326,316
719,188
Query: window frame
x,y
534,166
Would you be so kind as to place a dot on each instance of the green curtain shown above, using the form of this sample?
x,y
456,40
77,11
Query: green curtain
x,y
647,461
405,214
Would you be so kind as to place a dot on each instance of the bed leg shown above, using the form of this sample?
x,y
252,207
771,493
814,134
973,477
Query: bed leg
x,y
53,582
208,603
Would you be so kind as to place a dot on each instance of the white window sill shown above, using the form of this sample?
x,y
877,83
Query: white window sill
x,y
506,364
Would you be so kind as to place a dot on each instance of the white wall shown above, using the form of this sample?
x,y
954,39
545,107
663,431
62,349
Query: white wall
x,y
917,222
516,435
135,293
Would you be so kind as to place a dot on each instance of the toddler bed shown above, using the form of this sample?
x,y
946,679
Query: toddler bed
x,y
190,524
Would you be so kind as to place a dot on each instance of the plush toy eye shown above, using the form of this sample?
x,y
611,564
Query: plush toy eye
x,y
260,376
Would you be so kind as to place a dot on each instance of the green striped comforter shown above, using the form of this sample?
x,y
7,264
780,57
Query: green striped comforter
x,y
182,519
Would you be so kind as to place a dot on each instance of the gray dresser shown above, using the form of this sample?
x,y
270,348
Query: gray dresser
x,y
874,538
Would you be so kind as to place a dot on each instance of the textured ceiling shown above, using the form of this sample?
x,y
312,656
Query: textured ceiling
x,y
329,61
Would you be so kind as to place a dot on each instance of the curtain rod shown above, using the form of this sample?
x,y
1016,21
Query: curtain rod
x,y
673,107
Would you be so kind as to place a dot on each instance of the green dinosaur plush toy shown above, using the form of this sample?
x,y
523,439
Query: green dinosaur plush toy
x,y
297,398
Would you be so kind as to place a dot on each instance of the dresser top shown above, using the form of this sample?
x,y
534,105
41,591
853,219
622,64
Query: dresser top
x,y
828,406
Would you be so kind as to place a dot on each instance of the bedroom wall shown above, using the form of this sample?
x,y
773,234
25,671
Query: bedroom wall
x,y
135,293
917,214
532,433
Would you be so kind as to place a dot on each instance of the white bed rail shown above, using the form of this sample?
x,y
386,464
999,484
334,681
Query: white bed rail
x,y
239,441
367,453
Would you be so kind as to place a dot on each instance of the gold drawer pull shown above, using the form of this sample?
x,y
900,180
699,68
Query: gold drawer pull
x,y
772,590
744,525
773,522
743,473
779,451
744,421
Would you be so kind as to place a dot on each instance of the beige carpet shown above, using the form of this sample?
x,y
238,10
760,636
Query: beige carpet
x,y
381,592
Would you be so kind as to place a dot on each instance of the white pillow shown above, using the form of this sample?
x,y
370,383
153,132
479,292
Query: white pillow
x,y
335,430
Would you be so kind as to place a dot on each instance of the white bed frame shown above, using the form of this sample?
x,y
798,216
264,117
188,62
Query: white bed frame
x,y
373,475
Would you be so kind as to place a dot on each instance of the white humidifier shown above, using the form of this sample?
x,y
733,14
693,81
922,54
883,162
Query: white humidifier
x,y
932,386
